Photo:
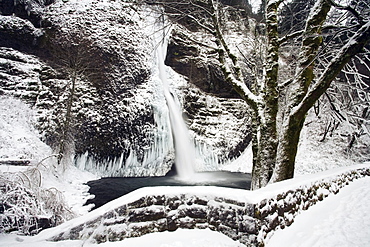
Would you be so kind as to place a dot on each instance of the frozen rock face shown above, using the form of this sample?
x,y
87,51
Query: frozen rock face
x,y
199,65
19,34
110,49
216,115
25,9
20,74
220,126
98,57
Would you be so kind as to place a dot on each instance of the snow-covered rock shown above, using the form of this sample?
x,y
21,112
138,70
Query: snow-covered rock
x,y
120,124
250,217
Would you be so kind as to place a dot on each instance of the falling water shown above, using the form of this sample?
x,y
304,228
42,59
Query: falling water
x,y
169,133
184,149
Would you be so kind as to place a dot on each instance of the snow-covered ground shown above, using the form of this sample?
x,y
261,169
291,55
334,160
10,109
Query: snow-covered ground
x,y
179,238
339,220
20,140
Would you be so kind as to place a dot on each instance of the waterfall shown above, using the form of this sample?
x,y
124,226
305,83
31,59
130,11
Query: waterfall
x,y
184,148
170,134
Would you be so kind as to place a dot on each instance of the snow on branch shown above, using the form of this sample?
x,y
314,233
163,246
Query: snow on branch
x,y
290,36
349,9
15,162
348,51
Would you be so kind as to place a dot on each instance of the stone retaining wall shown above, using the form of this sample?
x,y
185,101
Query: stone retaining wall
x,y
248,221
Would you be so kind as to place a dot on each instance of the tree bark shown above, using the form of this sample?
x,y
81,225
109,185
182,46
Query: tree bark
x,y
287,149
290,133
265,145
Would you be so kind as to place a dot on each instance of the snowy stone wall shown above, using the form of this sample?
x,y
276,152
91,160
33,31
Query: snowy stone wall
x,y
279,211
247,216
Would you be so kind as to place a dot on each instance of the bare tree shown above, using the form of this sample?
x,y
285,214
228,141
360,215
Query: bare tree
x,y
79,63
279,104
343,106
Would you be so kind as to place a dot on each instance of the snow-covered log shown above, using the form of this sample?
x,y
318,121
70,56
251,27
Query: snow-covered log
x,y
19,162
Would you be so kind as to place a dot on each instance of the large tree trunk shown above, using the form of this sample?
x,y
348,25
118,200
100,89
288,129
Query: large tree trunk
x,y
265,137
287,149
292,124
264,147
264,158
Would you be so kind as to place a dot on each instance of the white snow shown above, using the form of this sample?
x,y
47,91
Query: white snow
x,y
243,163
339,220
20,140
179,238
256,4
71,184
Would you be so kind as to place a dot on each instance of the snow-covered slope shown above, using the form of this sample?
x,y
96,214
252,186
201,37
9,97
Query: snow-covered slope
x,y
340,220
18,137
38,195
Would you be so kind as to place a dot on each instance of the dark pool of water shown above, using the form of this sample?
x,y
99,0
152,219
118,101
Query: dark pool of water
x,y
108,189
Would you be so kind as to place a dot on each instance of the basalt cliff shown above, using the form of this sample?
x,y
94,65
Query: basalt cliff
x,y
88,69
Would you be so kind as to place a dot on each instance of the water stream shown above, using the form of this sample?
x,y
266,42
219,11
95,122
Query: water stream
x,y
184,148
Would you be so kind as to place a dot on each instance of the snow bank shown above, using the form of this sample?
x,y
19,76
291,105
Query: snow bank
x,y
342,220
18,137
34,196
179,238
250,217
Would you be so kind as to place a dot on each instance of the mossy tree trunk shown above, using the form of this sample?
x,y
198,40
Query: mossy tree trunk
x,y
265,141
292,125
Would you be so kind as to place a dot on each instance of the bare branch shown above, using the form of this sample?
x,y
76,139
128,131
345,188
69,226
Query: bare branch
x,y
349,9
290,36
353,46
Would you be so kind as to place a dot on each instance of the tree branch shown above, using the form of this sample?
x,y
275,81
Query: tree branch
x,y
353,46
229,68
349,9
290,36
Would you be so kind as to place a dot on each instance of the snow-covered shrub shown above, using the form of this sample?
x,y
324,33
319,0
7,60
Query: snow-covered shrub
x,y
26,207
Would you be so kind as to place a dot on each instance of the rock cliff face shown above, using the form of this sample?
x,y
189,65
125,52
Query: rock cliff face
x,y
97,56
215,113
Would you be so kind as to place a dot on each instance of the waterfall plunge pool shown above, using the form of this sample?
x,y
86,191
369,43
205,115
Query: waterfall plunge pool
x,y
108,189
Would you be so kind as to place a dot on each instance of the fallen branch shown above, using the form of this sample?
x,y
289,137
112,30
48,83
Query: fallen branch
x,y
20,162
